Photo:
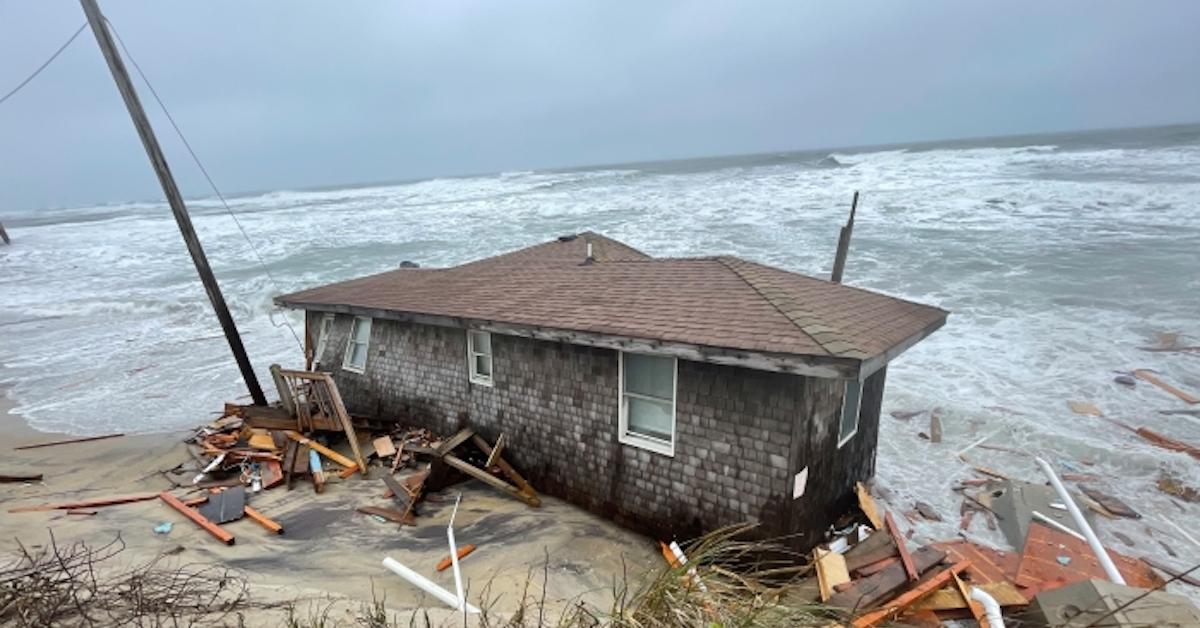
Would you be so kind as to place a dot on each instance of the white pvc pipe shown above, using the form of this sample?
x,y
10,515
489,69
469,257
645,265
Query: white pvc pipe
x,y
990,606
425,584
458,587
212,465
1057,526
1101,554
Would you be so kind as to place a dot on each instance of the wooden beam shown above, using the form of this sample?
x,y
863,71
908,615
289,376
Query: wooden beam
x,y
975,607
321,449
390,514
898,539
867,505
88,503
347,425
495,453
68,441
215,530
452,443
488,478
463,551
870,591
908,598
264,521
509,471
1147,376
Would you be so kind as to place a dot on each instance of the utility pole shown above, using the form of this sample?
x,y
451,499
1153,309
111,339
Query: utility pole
x,y
843,248
174,198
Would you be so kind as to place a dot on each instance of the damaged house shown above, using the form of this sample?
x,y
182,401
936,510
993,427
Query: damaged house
x,y
674,395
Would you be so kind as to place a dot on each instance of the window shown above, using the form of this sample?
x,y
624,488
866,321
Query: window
x,y
323,337
479,356
647,415
851,400
356,345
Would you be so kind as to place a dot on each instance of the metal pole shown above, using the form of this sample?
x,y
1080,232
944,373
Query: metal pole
x,y
843,248
174,198
1101,554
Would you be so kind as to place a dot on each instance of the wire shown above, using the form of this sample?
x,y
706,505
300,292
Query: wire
x,y
211,183
43,66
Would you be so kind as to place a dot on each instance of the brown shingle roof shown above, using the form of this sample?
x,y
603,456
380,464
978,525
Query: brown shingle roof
x,y
722,302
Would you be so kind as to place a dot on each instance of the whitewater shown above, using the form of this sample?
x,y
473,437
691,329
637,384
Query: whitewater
x,y
1058,257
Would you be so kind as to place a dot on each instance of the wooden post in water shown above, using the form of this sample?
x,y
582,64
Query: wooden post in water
x,y
843,247
174,198
3,234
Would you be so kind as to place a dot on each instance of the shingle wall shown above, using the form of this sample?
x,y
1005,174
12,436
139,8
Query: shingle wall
x,y
740,433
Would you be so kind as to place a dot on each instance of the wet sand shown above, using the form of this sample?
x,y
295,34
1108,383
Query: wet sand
x,y
328,552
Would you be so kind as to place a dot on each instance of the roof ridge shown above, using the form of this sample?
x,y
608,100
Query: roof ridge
x,y
828,337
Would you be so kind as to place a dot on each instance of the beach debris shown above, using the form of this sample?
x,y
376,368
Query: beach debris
x,y
831,571
1040,569
1123,538
216,462
390,514
225,505
906,559
69,441
1110,503
317,471
1172,486
1085,408
195,517
905,415
428,586
1148,375
877,588
1169,341
262,520
927,511
908,598
163,528
1125,379
88,503
1099,603
1014,503
867,505
383,446
935,425
463,552
10,478
1170,570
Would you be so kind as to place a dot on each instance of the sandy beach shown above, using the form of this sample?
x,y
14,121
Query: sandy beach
x,y
329,556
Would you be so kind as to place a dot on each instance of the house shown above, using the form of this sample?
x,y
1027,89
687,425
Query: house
x,y
674,395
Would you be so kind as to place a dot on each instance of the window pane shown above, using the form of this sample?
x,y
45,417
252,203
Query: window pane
x,y
362,330
483,366
650,418
850,401
650,375
358,357
481,342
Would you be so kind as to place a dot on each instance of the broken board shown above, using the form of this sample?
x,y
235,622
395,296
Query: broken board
x,y
1041,570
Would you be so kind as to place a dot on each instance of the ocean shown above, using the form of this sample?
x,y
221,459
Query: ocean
x,y
1058,256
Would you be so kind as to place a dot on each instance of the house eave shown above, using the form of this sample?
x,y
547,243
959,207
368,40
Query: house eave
x,y
872,364
810,366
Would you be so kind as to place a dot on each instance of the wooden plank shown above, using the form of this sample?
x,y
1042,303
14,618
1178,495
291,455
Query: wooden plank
x,y
88,503
509,471
321,449
340,408
831,572
261,439
1040,569
975,607
987,565
488,478
384,446
949,599
867,504
390,514
1147,376
495,453
463,552
1167,442
215,530
68,441
452,443
1171,571
898,539
873,549
264,521
83,512
908,598
33,477
870,591
876,567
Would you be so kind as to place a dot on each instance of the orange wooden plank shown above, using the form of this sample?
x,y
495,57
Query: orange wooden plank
x,y
1147,376
898,539
987,565
88,503
219,533
906,599
263,520
1040,570
463,551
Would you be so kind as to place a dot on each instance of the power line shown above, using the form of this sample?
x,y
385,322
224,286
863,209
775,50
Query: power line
x,y
43,66
211,183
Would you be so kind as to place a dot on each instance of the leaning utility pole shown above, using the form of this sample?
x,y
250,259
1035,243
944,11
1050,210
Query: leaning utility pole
x,y
843,248
174,198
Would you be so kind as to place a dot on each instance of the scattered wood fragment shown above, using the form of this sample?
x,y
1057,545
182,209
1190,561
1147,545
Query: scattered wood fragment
x,y
875,548
264,521
88,503
908,598
488,478
463,552
876,567
33,477
935,426
509,471
82,512
949,599
68,441
1086,408
216,531
384,447
391,514
321,449
261,439
496,449
1167,442
1172,486
905,557
975,607
905,415
1148,376
991,472
831,571
1171,571
867,504
869,592
1110,503
927,511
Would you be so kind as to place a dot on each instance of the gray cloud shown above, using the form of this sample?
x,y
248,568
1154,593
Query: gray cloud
x,y
299,94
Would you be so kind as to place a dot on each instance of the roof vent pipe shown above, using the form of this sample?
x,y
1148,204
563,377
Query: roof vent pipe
x,y
590,258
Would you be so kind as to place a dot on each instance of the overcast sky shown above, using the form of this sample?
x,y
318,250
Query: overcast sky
x,y
300,94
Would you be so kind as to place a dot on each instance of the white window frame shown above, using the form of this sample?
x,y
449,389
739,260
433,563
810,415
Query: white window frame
x,y
475,376
323,329
845,438
649,443
346,365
